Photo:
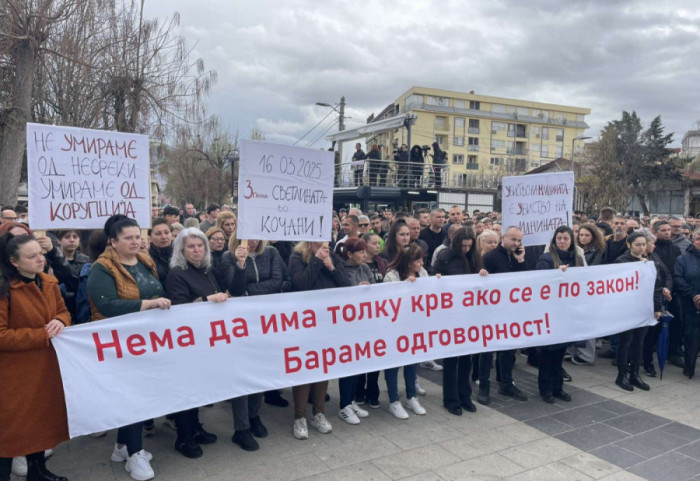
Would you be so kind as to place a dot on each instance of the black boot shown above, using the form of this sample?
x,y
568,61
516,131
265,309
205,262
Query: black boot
x,y
36,470
245,440
637,381
623,382
257,428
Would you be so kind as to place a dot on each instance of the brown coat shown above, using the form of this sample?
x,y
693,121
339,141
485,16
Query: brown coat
x,y
32,406
127,288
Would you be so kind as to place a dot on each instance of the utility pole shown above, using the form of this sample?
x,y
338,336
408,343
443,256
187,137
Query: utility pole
x,y
341,125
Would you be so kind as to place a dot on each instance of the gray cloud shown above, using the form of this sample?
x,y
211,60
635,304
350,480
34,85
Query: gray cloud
x,y
275,59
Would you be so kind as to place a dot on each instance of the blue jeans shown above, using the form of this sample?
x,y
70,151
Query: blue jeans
x,y
392,378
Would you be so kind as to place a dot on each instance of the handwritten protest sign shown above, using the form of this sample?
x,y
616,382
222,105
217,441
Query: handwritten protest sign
x,y
143,365
80,177
538,204
284,192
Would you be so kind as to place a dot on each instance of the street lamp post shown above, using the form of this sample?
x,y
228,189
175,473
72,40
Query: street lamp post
x,y
233,157
341,120
580,137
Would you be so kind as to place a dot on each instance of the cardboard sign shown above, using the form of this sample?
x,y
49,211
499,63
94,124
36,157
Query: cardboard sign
x,y
78,178
285,192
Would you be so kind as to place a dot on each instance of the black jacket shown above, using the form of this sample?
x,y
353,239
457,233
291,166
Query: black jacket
x,y
686,280
613,250
183,286
264,273
161,256
499,260
314,275
668,252
233,277
594,256
449,263
547,262
658,284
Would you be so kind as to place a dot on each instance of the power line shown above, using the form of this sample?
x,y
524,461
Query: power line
x,y
318,137
312,128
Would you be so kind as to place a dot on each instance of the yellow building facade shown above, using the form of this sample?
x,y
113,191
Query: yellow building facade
x,y
485,135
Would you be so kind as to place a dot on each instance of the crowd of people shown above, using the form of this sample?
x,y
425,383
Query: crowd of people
x,y
50,280
414,168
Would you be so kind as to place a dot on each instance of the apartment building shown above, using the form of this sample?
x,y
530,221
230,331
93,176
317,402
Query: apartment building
x,y
485,136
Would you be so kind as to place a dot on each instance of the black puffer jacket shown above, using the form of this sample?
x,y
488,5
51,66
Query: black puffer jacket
x,y
264,273
314,275
449,263
594,256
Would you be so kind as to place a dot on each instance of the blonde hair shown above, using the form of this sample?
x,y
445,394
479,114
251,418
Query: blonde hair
x,y
304,248
224,216
484,234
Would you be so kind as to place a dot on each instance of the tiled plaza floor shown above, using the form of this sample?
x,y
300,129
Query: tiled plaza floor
x,y
604,433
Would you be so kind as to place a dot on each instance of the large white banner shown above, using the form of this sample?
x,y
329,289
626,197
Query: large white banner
x,y
538,204
79,177
285,192
143,365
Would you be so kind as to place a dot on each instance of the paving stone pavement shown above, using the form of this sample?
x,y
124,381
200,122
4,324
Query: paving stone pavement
x,y
604,433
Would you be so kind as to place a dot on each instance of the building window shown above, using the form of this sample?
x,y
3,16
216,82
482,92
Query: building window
x,y
536,131
457,158
474,105
560,135
460,104
498,108
545,151
414,101
440,123
473,144
458,141
438,101
497,127
472,163
496,162
473,126
441,140
560,152
497,145
545,133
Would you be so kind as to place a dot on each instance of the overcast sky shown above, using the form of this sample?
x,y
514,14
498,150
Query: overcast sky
x,y
276,58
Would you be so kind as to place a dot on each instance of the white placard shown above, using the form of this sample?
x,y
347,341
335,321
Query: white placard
x,y
538,204
140,366
80,177
285,192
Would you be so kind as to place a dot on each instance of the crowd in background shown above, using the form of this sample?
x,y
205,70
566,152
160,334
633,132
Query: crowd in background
x,y
70,277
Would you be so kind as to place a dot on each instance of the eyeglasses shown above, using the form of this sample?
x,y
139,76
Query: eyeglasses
x,y
10,218
364,225
218,239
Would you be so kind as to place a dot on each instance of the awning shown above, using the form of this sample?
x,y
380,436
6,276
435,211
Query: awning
x,y
371,128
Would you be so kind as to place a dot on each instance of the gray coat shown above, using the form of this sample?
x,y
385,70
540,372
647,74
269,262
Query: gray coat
x,y
358,274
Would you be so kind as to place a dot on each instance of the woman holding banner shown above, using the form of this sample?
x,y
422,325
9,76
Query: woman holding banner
x,y
561,254
461,257
191,280
124,280
256,270
406,266
33,412
353,251
631,345
312,267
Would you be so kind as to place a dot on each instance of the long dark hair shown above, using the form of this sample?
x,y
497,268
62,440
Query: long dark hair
x,y
9,247
403,260
390,246
471,261
116,224
572,247
597,236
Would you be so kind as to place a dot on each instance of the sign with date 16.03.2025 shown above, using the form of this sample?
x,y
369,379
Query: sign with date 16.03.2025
x,y
284,193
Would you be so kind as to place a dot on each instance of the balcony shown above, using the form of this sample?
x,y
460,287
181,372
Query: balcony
x,y
474,130
473,166
473,148
389,173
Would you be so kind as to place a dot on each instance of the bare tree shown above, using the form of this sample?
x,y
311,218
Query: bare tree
x,y
25,25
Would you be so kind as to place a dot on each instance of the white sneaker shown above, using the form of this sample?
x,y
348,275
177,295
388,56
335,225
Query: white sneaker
x,y
300,429
397,410
19,466
419,389
361,413
321,424
119,455
415,406
139,467
348,415
432,365
48,453
170,423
